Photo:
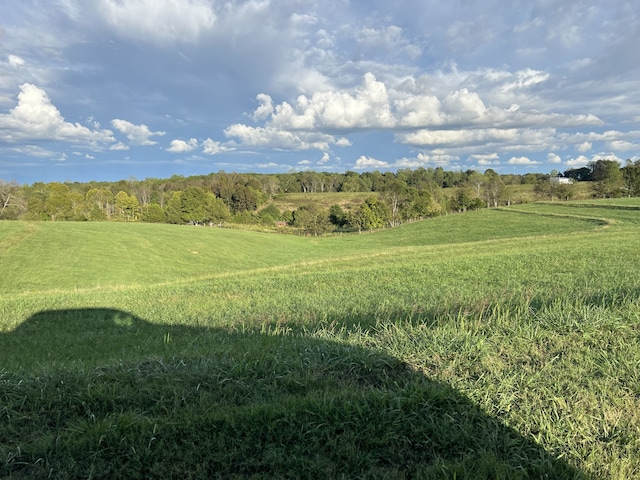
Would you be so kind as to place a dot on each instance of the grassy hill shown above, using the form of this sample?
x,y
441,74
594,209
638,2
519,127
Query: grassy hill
x,y
493,344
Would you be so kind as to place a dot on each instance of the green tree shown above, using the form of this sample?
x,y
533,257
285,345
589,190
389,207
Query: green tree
x,y
194,205
395,192
152,213
631,177
421,204
127,205
372,214
100,203
337,216
493,188
58,204
269,214
608,178
311,219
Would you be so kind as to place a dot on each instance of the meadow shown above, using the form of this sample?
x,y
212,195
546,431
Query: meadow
x,y
501,343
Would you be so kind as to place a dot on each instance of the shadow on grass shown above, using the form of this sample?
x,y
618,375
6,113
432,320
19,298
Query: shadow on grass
x,y
151,401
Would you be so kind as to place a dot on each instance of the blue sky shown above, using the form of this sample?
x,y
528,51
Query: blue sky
x,y
110,89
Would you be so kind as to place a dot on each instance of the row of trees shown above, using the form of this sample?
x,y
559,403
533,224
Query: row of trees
x,y
245,198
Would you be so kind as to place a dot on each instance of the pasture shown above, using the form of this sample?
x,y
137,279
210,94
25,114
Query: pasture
x,y
502,343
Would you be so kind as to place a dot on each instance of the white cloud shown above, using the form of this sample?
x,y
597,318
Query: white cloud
x,y
34,151
119,146
36,118
161,21
622,145
512,137
580,161
436,158
489,158
16,61
522,161
325,158
213,148
279,139
137,134
553,158
364,163
265,109
182,146
584,147
486,162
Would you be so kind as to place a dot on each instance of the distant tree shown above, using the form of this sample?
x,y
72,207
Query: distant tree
x,y
476,181
270,185
372,214
152,213
311,219
353,183
421,204
581,174
194,205
100,203
58,204
607,177
631,177
12,202
337,216
395,192
462,200
269,214
493,188
126,205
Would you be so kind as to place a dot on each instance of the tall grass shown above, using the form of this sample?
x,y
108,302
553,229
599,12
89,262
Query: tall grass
x,y
509,349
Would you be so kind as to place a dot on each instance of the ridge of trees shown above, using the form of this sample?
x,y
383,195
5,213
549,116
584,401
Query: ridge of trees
x,y
220,198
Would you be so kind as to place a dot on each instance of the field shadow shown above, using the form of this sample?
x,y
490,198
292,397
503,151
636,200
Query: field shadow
x,y
236,405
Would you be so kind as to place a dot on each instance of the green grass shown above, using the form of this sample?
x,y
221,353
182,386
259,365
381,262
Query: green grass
x,y
494,344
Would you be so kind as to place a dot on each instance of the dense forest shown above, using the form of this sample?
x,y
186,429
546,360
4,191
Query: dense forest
x,y
228,198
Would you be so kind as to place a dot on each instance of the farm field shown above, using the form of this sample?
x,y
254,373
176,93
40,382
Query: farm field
x,y
501,343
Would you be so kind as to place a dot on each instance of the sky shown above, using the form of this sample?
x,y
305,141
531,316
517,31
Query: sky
x,y
112,89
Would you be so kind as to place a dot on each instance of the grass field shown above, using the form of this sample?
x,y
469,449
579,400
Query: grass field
x,y
492,344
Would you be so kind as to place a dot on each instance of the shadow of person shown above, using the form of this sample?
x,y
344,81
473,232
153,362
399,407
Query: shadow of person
x,y
102,393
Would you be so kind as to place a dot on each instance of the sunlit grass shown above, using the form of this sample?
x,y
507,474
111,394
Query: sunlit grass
x,y
506,349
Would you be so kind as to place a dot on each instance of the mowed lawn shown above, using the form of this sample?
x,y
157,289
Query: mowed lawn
x,y
492,344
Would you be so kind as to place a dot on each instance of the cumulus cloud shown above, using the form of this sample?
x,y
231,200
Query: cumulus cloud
x,y
553,158
622,145
584,147
420,116
213,148
522,161
182,146
136,134
486,159
36,118
364,163
269,137
436,158
579,161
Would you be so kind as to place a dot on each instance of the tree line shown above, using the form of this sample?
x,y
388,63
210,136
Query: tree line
x,y
221,197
